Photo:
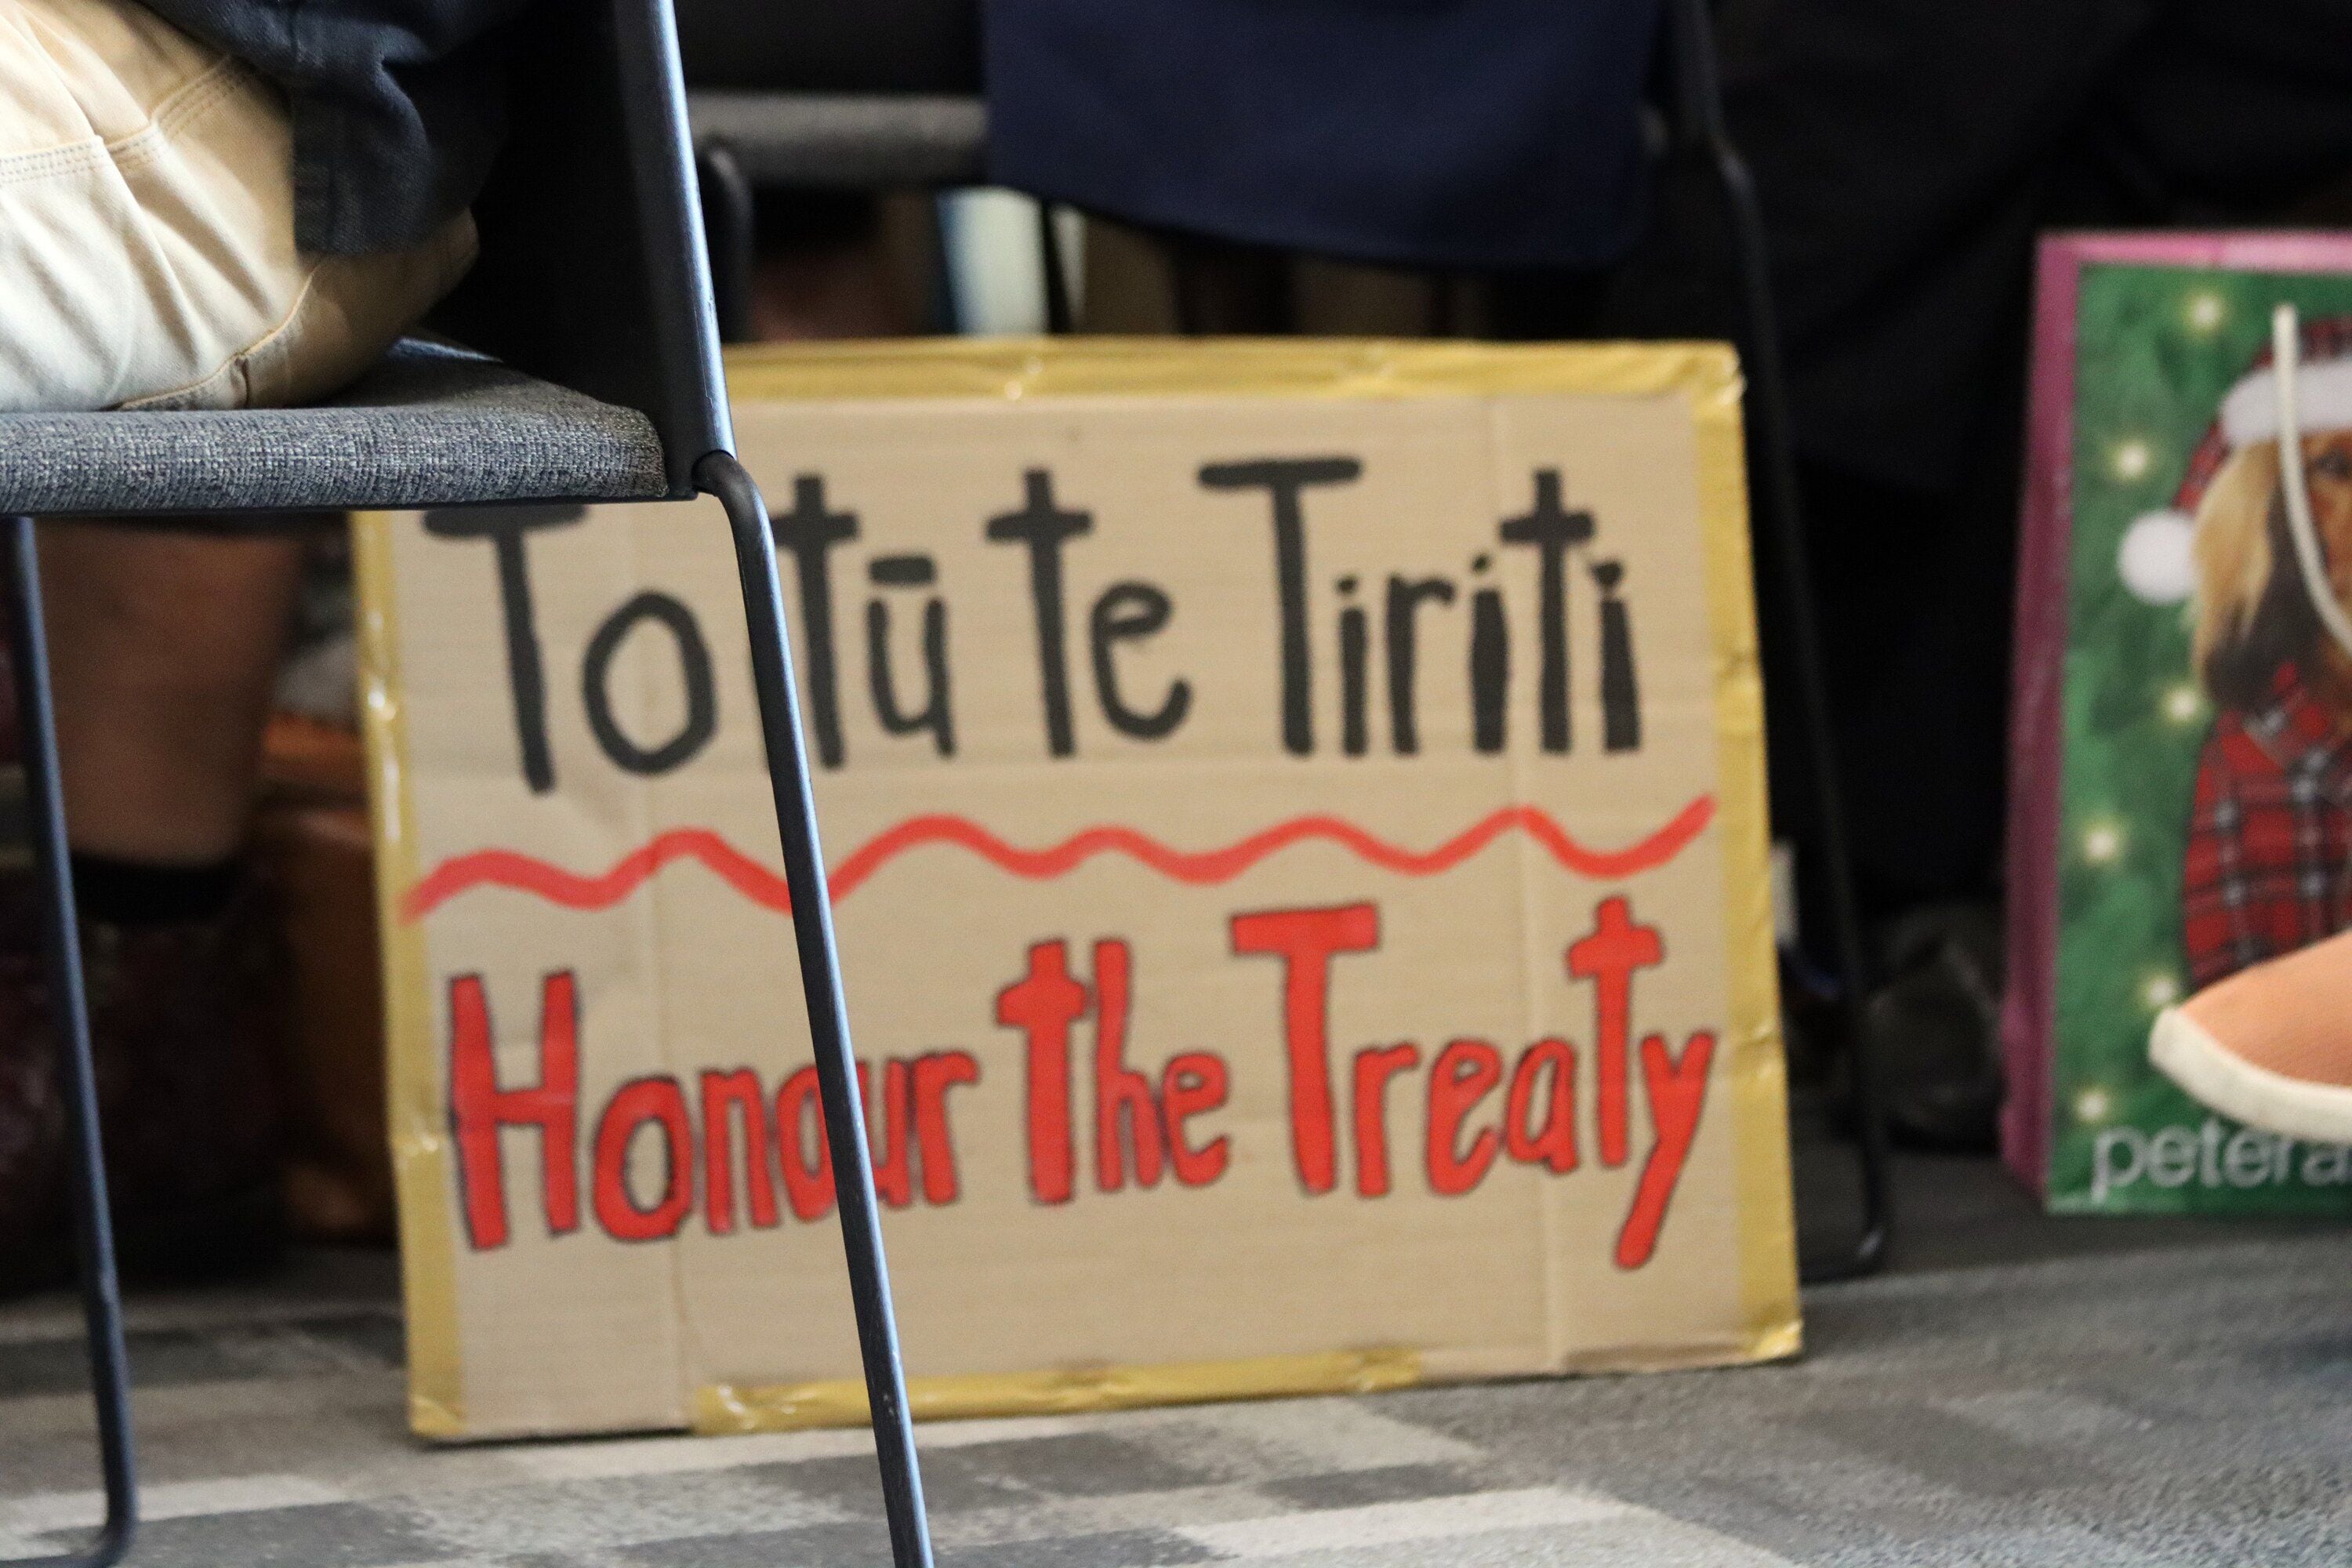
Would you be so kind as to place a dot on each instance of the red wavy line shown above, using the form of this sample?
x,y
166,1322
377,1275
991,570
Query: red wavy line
x,y
525,873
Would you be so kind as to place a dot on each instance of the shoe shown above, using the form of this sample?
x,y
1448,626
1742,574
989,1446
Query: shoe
x,y
184,1029
1934,1025
2269,1046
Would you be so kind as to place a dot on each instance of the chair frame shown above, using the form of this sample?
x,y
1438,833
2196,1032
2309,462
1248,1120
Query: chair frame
x,y
1700,123
102,1299
611,298
723,163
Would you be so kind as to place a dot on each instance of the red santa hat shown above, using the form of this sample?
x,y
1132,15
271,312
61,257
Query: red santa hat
x,y
2157,558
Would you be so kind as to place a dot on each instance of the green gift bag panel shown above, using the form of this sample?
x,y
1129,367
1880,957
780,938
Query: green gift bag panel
x,y
2199,813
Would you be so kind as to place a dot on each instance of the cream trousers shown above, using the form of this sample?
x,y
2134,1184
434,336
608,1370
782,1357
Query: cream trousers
x,y
147,255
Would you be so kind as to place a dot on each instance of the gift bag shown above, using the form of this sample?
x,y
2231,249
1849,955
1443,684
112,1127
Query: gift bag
x,y
2181,788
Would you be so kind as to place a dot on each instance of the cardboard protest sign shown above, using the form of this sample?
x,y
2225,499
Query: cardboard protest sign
x,y
1296,821
2179,808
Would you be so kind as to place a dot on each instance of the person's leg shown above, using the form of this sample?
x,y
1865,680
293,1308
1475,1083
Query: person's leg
x,y
147,248
164,649
148,258
822,270
1905,155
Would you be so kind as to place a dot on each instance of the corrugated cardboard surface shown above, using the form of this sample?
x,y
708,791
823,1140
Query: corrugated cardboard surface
x,y
956,873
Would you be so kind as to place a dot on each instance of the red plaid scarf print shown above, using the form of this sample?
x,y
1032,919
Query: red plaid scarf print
x,y
2269,862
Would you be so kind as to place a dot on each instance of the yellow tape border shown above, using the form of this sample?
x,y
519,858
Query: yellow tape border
x,y
420,1128
1757,1075
794,1406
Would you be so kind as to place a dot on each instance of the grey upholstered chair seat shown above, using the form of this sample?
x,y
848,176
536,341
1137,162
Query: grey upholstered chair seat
x,y
845,140
430,426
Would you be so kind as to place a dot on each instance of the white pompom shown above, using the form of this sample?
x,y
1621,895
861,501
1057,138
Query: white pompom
x,y
2159,560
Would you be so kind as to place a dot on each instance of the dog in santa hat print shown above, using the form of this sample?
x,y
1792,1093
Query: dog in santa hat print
x,y
2266,885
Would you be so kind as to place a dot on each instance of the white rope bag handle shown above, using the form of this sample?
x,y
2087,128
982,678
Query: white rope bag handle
x,y
2286,346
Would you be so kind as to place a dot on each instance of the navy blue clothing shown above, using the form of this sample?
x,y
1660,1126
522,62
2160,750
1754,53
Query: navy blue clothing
x,y
1471,134
398,105
831,46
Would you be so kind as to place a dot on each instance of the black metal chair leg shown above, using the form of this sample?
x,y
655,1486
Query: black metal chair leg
x,y
946,309
1700,110
110,1373
720,475
727,221
1058,313
1768,411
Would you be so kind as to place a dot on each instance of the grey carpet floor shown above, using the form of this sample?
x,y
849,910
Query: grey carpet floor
x,y
2132,1396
